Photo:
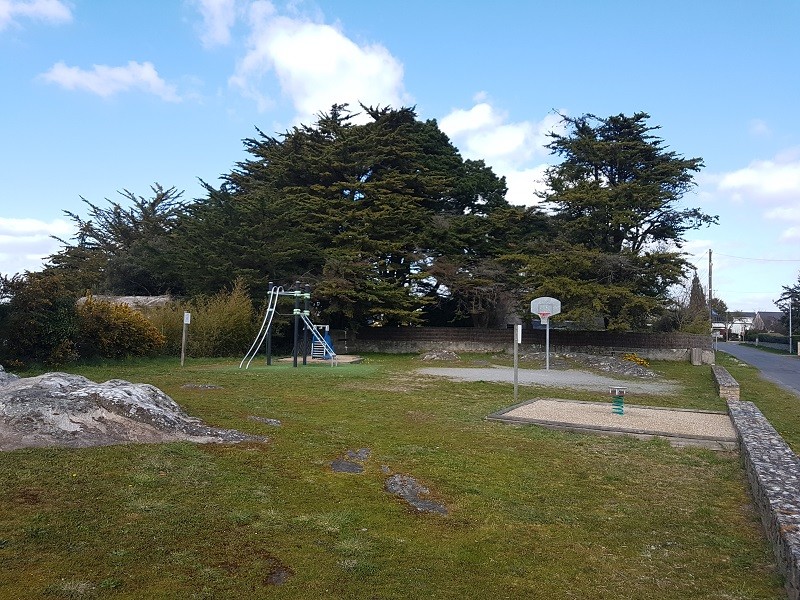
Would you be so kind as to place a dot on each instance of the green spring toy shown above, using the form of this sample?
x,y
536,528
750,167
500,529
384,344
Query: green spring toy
x,y
618,402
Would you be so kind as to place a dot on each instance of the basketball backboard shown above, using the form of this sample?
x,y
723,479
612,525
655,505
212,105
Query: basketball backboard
x,y
545,307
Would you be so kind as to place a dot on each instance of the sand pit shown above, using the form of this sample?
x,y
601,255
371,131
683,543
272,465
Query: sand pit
x,y
680,427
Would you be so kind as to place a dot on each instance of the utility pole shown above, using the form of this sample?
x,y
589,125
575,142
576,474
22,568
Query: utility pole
x,y
710,296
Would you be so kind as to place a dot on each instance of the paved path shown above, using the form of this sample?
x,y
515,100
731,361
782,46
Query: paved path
x,y
782,369
571,378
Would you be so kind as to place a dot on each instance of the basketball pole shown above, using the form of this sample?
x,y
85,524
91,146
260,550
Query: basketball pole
x,y
546,307
547,344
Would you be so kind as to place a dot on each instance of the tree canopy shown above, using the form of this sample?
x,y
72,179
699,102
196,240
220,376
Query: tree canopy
x,y
126,246
391,225
789,300
615,203
385,219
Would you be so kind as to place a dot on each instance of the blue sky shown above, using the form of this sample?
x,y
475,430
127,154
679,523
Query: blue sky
x,y
102,96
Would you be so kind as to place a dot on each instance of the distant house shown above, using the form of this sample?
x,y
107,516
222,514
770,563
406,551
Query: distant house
x,y
768,321
733,325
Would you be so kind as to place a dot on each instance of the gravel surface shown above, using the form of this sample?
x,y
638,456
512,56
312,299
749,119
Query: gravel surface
x,y
687,423
576,379
680,426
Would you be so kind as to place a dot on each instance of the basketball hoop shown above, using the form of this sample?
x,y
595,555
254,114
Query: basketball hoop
x,y
546,307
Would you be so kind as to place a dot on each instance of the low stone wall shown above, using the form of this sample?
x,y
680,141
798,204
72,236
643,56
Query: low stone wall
x,y
773,472
727,386
652,346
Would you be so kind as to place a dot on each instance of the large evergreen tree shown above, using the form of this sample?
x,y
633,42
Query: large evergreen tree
x,y
789,300
125,247
367,213
615,200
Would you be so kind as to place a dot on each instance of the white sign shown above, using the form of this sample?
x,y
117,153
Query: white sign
x,y
187,318
519,333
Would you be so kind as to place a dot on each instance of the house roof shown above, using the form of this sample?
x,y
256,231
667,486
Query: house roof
x,y
770,314
739,314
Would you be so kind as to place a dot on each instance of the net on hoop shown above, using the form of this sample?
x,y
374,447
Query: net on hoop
x,y
544,316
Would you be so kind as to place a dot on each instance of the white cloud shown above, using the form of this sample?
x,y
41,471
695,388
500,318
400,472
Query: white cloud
x,y
524,184
764,181
514,150
791,234
787,215
483,132
759,128
316,65
771,183
219,16
106,81
784,213
52,11
460,121
24,243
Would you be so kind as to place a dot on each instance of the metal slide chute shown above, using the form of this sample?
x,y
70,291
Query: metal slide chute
x,y
272,303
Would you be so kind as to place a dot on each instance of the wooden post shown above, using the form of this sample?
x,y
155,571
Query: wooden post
x,y
187,318
517,341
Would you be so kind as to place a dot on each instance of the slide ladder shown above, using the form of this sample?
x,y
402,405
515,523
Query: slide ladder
x,y
319,340
318,348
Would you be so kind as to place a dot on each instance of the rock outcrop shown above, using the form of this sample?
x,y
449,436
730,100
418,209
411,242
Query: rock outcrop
x,y
59,409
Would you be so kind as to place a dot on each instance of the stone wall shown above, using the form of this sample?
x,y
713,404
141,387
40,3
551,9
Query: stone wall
x,y
653,346
773,472
727,386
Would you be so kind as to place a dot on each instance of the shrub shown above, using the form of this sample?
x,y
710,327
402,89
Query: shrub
x,y
222,324
699,325
110,330
635,358
168,321
772,338
40,320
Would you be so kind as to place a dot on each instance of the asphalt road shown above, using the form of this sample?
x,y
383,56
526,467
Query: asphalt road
x,y
570,378
782,369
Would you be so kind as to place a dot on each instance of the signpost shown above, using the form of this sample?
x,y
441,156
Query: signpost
x,y
517,341
545,307
187,318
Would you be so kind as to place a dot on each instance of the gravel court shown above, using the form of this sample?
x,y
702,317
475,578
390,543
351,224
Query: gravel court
x,y
681,427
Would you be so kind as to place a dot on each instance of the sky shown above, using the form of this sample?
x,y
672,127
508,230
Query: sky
x,y
99,97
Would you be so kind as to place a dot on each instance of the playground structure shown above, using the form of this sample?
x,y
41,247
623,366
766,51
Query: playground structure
x,y
321,346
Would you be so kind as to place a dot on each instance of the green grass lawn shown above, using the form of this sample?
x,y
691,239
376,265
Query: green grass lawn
x,y
534,513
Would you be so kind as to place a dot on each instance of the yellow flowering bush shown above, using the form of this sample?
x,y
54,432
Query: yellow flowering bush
x,y
635,358
111,330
